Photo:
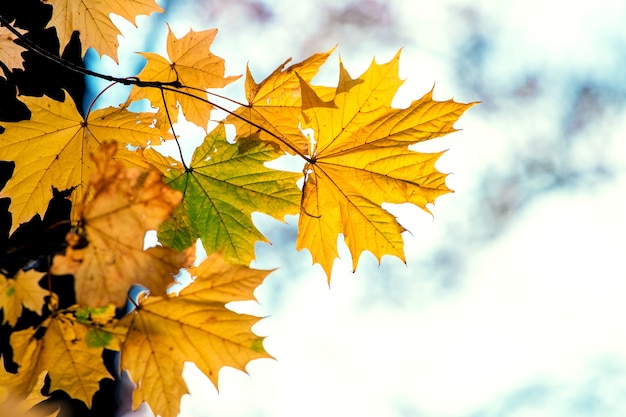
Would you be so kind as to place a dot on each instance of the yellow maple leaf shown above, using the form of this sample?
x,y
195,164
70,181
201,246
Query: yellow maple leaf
x,y
194,326
15,398
10,52
29,379
52,149
73,364
22,291
360,159
92,19
126,203
193,65
275,105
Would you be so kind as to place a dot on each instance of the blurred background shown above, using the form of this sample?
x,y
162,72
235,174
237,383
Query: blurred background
x,y
512,302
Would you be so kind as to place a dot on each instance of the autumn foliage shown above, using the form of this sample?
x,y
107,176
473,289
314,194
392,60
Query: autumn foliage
x,y
106,163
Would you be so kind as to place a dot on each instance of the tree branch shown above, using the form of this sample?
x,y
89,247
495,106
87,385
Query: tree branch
x,y
175,86
33,47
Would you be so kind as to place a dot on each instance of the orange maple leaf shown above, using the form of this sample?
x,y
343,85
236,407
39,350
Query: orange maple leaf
x,y
193,326
275,105
10,52
126,203
360,159
194,67
91,19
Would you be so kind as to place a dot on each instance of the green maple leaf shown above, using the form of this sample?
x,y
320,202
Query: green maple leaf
x,y
224,184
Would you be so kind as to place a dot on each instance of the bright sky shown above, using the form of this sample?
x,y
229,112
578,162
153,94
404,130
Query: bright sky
x,y
527,323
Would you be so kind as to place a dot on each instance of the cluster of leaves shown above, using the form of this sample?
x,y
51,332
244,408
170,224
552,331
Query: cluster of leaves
x,y
119,186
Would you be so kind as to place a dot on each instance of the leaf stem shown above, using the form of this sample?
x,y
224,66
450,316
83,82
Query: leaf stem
x,y
251,123
97,97
169,120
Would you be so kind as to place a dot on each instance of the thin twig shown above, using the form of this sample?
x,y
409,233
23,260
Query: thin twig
x,y
251,123
77,68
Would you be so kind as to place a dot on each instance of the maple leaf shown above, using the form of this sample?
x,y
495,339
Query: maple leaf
x,y
15,400
29,379
52,149
223,185
275,105
194,67
127,202
195,326
73,365
91,19
360,159
23,291
10,52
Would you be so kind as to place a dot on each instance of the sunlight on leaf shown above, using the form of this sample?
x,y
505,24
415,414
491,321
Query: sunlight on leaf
x,y
194,66
225,184
193,326
91,19
275,105
361,160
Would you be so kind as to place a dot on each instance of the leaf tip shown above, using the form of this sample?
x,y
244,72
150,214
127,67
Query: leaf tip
x,y
310,98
